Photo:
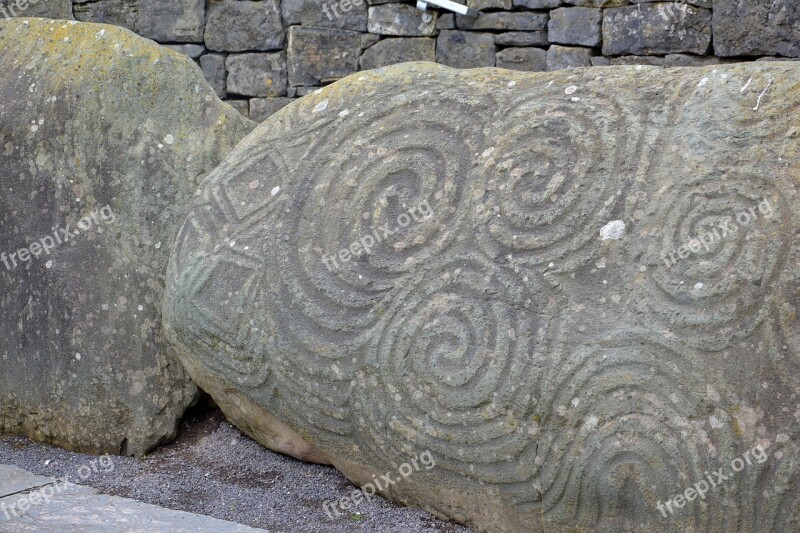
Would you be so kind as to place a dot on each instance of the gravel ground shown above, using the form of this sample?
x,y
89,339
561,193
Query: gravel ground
x,y
215,470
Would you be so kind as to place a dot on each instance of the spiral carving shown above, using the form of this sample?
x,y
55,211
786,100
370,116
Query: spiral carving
x,y
566,376
453,371
772,501
717,255
627,426
553,181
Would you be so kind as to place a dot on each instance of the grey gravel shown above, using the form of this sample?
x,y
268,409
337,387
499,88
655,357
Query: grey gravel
x,y
213,469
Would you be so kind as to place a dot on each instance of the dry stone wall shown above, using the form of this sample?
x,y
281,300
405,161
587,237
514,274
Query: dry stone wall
x,y
261,54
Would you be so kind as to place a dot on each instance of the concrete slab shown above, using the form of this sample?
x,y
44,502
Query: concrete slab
x,y
58,507
14,480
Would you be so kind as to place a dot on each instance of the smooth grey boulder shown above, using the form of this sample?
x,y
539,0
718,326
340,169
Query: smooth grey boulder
x,y
105,138
525,275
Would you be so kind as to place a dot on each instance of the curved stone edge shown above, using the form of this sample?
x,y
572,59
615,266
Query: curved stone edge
x,y
54,422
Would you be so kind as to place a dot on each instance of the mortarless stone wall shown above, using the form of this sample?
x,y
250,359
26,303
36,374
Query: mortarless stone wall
x,y
261,54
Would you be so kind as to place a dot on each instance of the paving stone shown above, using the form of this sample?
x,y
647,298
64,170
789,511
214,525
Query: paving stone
x,y
756,27
522,38
398,50
342,14
256,74
241,26
530,59
559,57
461,49
70,508
401,19
516,21
318,55
576,25
213,67
14,480
656,29
175,21
117,12
262,108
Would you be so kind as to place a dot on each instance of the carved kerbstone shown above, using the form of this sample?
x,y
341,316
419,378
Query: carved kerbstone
x,y
599,309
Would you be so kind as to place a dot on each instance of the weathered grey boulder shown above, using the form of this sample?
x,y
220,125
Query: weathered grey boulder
x,y
577,290
105,138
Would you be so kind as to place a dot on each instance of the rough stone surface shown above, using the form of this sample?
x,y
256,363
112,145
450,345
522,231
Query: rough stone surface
x,y
522,38
637,60
193,51
576,25
528,332
756,27
752,28
461,49
117,12
241,26
119,130
213,66
391,51
401,19
537,4
53,9
319,55
518,21
480,5
263,108
241,106
530,59
345,15
256,74
652,29
173,21
446,22
559,57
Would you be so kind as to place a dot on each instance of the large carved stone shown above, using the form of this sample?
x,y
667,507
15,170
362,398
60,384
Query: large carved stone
x,y
570,332
104,139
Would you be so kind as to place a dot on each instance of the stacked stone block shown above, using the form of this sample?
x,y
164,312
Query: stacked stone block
x,y
261,54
